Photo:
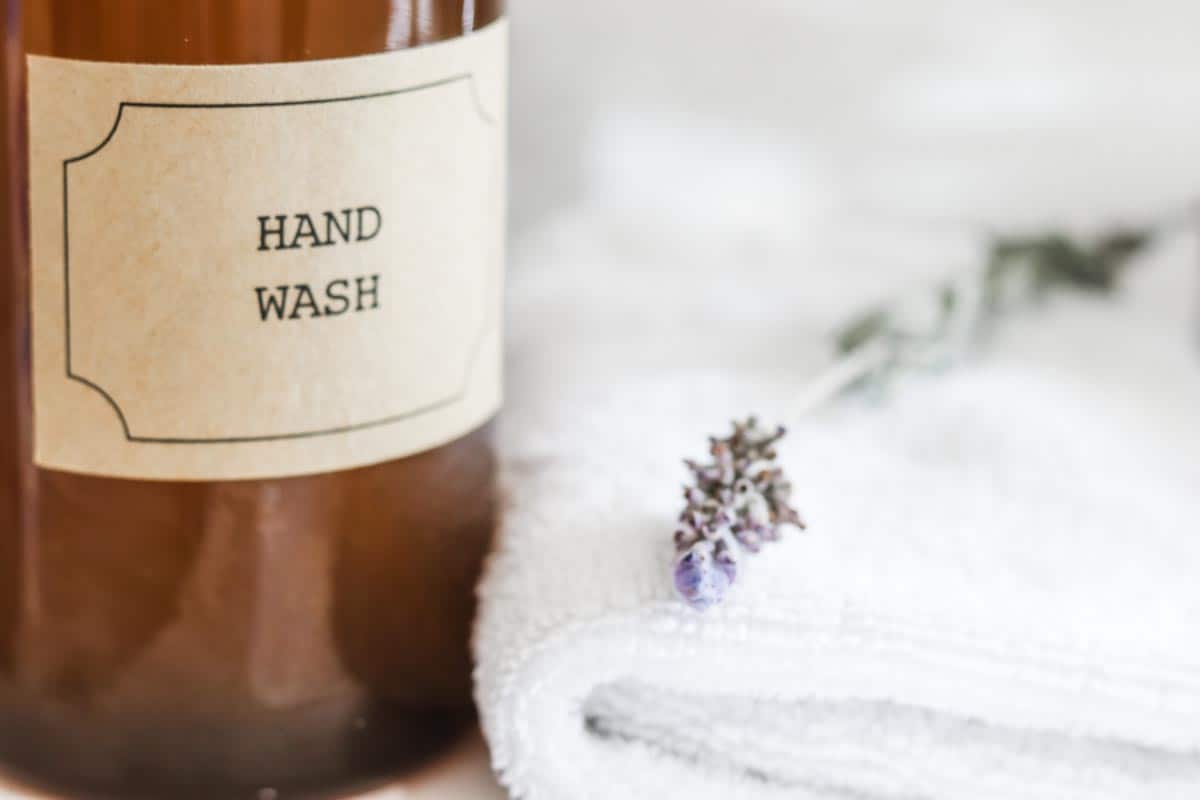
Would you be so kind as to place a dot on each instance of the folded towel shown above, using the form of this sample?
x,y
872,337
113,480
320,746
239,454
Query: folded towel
x,y
998,595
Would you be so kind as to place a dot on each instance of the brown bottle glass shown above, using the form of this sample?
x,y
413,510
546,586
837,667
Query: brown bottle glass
x,y
179,640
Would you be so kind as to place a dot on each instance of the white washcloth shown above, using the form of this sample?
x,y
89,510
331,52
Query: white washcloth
x,y
998,595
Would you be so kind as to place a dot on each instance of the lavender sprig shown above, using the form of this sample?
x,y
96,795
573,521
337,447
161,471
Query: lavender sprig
x,y
737,502
741,499
935,328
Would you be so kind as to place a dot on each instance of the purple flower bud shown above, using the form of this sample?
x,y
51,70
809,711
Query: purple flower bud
x,y
726,560
769,533
757,511
685,538
749,539
789,516
699,579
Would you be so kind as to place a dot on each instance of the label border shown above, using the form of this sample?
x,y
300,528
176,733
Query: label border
x,y
392,419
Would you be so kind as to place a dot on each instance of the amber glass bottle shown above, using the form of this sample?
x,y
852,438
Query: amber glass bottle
x,y
185,611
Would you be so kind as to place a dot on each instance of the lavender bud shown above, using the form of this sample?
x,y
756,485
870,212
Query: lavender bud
x,y
789,516
769,533
685,538
756,510
700,581
749,539
726,560
759,469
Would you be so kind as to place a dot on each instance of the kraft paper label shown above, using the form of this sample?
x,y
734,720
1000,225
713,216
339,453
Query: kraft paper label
x,y
267,270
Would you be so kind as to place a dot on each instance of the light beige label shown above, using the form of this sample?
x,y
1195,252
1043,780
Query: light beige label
x,y
270,270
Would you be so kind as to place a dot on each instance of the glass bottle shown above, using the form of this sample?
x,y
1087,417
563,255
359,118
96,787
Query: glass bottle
x,y
215,638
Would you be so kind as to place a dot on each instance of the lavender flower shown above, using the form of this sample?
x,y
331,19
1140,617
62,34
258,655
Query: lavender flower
x,y
741,497
704,573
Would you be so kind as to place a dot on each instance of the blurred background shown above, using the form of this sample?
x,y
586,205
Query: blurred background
x,y
781,114
835,153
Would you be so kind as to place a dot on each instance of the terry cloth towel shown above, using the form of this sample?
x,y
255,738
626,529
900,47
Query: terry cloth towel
x,y
998,595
